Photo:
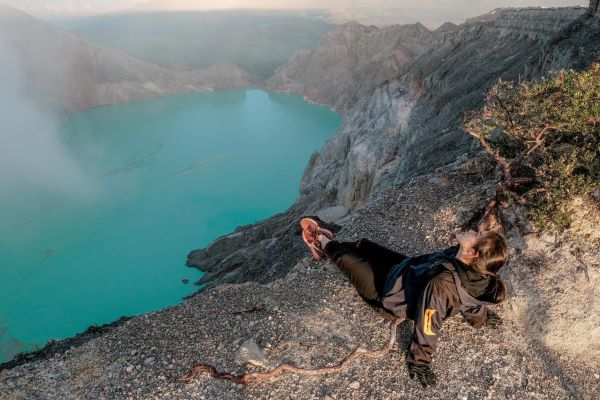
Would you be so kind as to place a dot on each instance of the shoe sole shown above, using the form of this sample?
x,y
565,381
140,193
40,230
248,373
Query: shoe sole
x,y
316,252
310,225
307,223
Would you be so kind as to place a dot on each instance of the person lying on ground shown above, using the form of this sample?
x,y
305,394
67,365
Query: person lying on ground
x,y
427,289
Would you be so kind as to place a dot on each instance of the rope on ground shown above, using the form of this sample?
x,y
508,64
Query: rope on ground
x,y
205,369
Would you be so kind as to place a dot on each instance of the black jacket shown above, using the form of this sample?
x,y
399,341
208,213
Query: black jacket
x,y
428,289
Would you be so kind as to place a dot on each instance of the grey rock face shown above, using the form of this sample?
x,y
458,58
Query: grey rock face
x,y
349,62
575,46
411,125
67,73
531,23
370,137
593,9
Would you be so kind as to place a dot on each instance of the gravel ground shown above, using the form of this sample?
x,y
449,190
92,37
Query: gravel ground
x,y
314,318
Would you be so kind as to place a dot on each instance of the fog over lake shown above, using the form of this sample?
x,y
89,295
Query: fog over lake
x,y
146,183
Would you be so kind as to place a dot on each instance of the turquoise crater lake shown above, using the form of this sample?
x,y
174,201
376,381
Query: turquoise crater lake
x,y
162,177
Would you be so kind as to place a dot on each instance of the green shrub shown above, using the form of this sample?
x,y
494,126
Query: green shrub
x,y
546,137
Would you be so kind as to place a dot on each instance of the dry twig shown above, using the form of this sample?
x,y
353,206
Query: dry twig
x,y
204,369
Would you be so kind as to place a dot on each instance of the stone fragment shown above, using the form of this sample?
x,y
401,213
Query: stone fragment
x,y
249,352
332,214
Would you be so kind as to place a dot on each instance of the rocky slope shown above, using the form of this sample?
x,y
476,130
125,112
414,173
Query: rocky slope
x,y
408,125
312,318
67,73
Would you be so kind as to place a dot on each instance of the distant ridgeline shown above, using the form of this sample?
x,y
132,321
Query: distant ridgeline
x,y
258,42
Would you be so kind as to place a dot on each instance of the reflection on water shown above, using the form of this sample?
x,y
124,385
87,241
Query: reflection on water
x,y
199,164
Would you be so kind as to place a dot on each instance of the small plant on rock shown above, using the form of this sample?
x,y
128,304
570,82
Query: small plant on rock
x,y
545,135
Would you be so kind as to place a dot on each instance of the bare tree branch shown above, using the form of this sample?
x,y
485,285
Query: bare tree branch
x,y
507,112
539,137
494,153
205,369
538,140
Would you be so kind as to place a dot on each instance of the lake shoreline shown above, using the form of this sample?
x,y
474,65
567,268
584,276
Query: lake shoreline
x,y
62,345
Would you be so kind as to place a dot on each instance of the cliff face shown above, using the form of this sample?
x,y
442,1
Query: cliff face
x,y
349,62
576,46
405,126
410,125
67,73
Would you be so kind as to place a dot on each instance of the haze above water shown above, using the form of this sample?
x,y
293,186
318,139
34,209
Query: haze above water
x,y
257,42
168,175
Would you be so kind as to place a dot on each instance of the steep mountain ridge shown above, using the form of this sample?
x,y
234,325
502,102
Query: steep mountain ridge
x,y
349,62
534,23
407,126
353,59
67,73
410,125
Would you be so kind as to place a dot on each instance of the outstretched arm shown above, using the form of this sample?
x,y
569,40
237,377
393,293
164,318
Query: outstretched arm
x,y
476,316
479,316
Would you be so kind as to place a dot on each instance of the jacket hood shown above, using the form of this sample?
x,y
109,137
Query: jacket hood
x,y
492,289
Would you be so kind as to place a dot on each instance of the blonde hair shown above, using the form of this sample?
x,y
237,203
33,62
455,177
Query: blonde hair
x,y
492,253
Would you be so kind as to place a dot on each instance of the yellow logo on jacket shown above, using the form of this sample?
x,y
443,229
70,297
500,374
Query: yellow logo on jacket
x,y
427,322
